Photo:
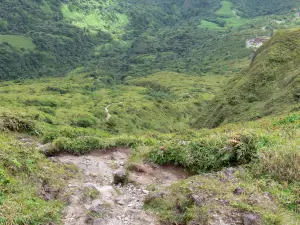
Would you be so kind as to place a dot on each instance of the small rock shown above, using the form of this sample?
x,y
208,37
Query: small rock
x,y
198,200
143,168
99,221
238,191
120,176
224,202
97,202
96,209
251,219
120,201
145,192
107,191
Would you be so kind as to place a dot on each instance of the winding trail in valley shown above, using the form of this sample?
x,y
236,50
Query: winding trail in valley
x,y
108,115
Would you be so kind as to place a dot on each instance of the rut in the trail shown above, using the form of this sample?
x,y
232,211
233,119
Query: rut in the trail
x,y
93,199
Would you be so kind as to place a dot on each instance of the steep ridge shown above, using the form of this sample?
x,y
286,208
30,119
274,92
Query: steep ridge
x,y
270,86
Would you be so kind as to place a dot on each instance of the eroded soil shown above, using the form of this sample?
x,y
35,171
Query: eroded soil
x,y
94,199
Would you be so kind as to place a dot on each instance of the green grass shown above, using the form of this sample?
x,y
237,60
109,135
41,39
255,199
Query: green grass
x,y
46,8
23,172
96,20
235,22
226,10
152,115
209,25
272,154
227,14
18,41
162,102
255,94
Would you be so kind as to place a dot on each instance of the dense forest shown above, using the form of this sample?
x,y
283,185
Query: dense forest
x,y
119,39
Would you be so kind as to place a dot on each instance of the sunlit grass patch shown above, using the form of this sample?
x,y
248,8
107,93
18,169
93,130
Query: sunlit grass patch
x,y
18,41
209,25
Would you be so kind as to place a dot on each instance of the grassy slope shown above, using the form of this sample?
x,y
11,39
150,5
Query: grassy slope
x,y
269,148
269,86
18,41
97,18
69,112
24,173
120,39
73,107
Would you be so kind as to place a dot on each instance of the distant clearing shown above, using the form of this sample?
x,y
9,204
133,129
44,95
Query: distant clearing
x,y
226,10
96,20
209,25
18,41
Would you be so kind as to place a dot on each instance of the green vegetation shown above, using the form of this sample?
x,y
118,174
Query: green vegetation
x,y
144,75
209,25
24,174
121,39
226,10
254,8
270,151
94,19
19,42
70,111
269,86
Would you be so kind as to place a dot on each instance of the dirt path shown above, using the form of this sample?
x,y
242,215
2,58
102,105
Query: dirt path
x,y
93,199
108,115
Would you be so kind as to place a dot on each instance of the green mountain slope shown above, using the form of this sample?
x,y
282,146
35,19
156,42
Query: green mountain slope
x,y
252,8
125,38
270,86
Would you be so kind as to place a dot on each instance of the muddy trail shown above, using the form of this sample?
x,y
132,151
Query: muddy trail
x,y
96,198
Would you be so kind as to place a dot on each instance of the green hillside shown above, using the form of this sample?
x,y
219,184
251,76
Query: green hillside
x,y
270,86
127,38
204,129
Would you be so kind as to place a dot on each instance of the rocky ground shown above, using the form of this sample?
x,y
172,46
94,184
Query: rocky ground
x,y
104,194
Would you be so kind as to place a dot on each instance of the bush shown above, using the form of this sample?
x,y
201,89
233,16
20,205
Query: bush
x,y
84,122
78,145
85,144
282,164
39,102
56,89
47,110
17,123
209,154
72,132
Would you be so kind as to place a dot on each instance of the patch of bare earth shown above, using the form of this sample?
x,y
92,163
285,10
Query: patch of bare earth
x,y
95,198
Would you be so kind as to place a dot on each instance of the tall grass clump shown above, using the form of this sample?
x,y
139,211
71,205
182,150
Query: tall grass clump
x,y
10,121
210,154
86,144
23,172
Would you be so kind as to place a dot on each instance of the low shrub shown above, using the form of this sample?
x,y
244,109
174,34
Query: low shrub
x,y
48,110
13,122
84,122
41,102
85,144
56,89
79,145
281,164
72,132
208,154
288,120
